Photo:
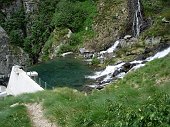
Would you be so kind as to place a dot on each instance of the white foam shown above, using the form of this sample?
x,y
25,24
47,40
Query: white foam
x,y
159,54
136,62
109,70
112,48
136,67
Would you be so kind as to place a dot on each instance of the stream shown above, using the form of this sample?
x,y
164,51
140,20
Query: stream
x,y
119,70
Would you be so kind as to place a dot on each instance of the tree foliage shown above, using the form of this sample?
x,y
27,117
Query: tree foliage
x,y
70,15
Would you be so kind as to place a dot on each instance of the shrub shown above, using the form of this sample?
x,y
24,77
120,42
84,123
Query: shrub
x,y
70,15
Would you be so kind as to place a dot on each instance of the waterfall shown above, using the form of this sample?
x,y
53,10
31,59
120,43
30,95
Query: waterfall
x,y
138,19
112,48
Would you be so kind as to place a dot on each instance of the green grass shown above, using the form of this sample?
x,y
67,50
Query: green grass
x,y
13,116
142,98
156,10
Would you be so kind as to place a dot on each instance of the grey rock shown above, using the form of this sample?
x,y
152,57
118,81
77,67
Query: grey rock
x,y
83,50
153,40
10,55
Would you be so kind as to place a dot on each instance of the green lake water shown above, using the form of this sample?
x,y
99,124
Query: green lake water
x,y
63,72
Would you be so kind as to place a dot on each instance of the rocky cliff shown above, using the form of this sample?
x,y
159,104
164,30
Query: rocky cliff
x,y
10,55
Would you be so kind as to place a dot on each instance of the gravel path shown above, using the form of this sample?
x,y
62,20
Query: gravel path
x,y
35,111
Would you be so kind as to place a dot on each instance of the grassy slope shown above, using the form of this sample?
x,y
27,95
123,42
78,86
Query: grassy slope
x,y
140,99
156,10
13,116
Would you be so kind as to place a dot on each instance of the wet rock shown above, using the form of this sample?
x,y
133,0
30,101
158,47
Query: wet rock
x,y
147,50
99,87
162,46
126,67
86,53
143,62
116,73
141,57
87,89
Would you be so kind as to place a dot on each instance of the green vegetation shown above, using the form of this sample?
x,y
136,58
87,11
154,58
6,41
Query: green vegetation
x,y
142,98
76,16
32,31
13,116
15,27
5,2
95,61
157,10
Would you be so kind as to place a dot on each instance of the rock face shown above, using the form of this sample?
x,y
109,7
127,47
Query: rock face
x,y
9,55
4,52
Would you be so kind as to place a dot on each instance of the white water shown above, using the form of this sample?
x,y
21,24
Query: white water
x,y
159,54
112,48
109,70
137,22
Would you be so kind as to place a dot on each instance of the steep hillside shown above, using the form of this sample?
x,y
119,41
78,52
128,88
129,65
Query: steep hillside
x,y
40,27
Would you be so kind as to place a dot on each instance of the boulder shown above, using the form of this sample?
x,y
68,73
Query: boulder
x,y
117,72
153,40
83,50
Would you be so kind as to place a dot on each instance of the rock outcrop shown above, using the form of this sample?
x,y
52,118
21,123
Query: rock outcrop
x,y
4,52
9,55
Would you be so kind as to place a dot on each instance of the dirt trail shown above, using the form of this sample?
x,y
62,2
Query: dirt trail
x,y
35,111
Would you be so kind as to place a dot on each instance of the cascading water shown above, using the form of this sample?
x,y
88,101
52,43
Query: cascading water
x,y
113,72
138,19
